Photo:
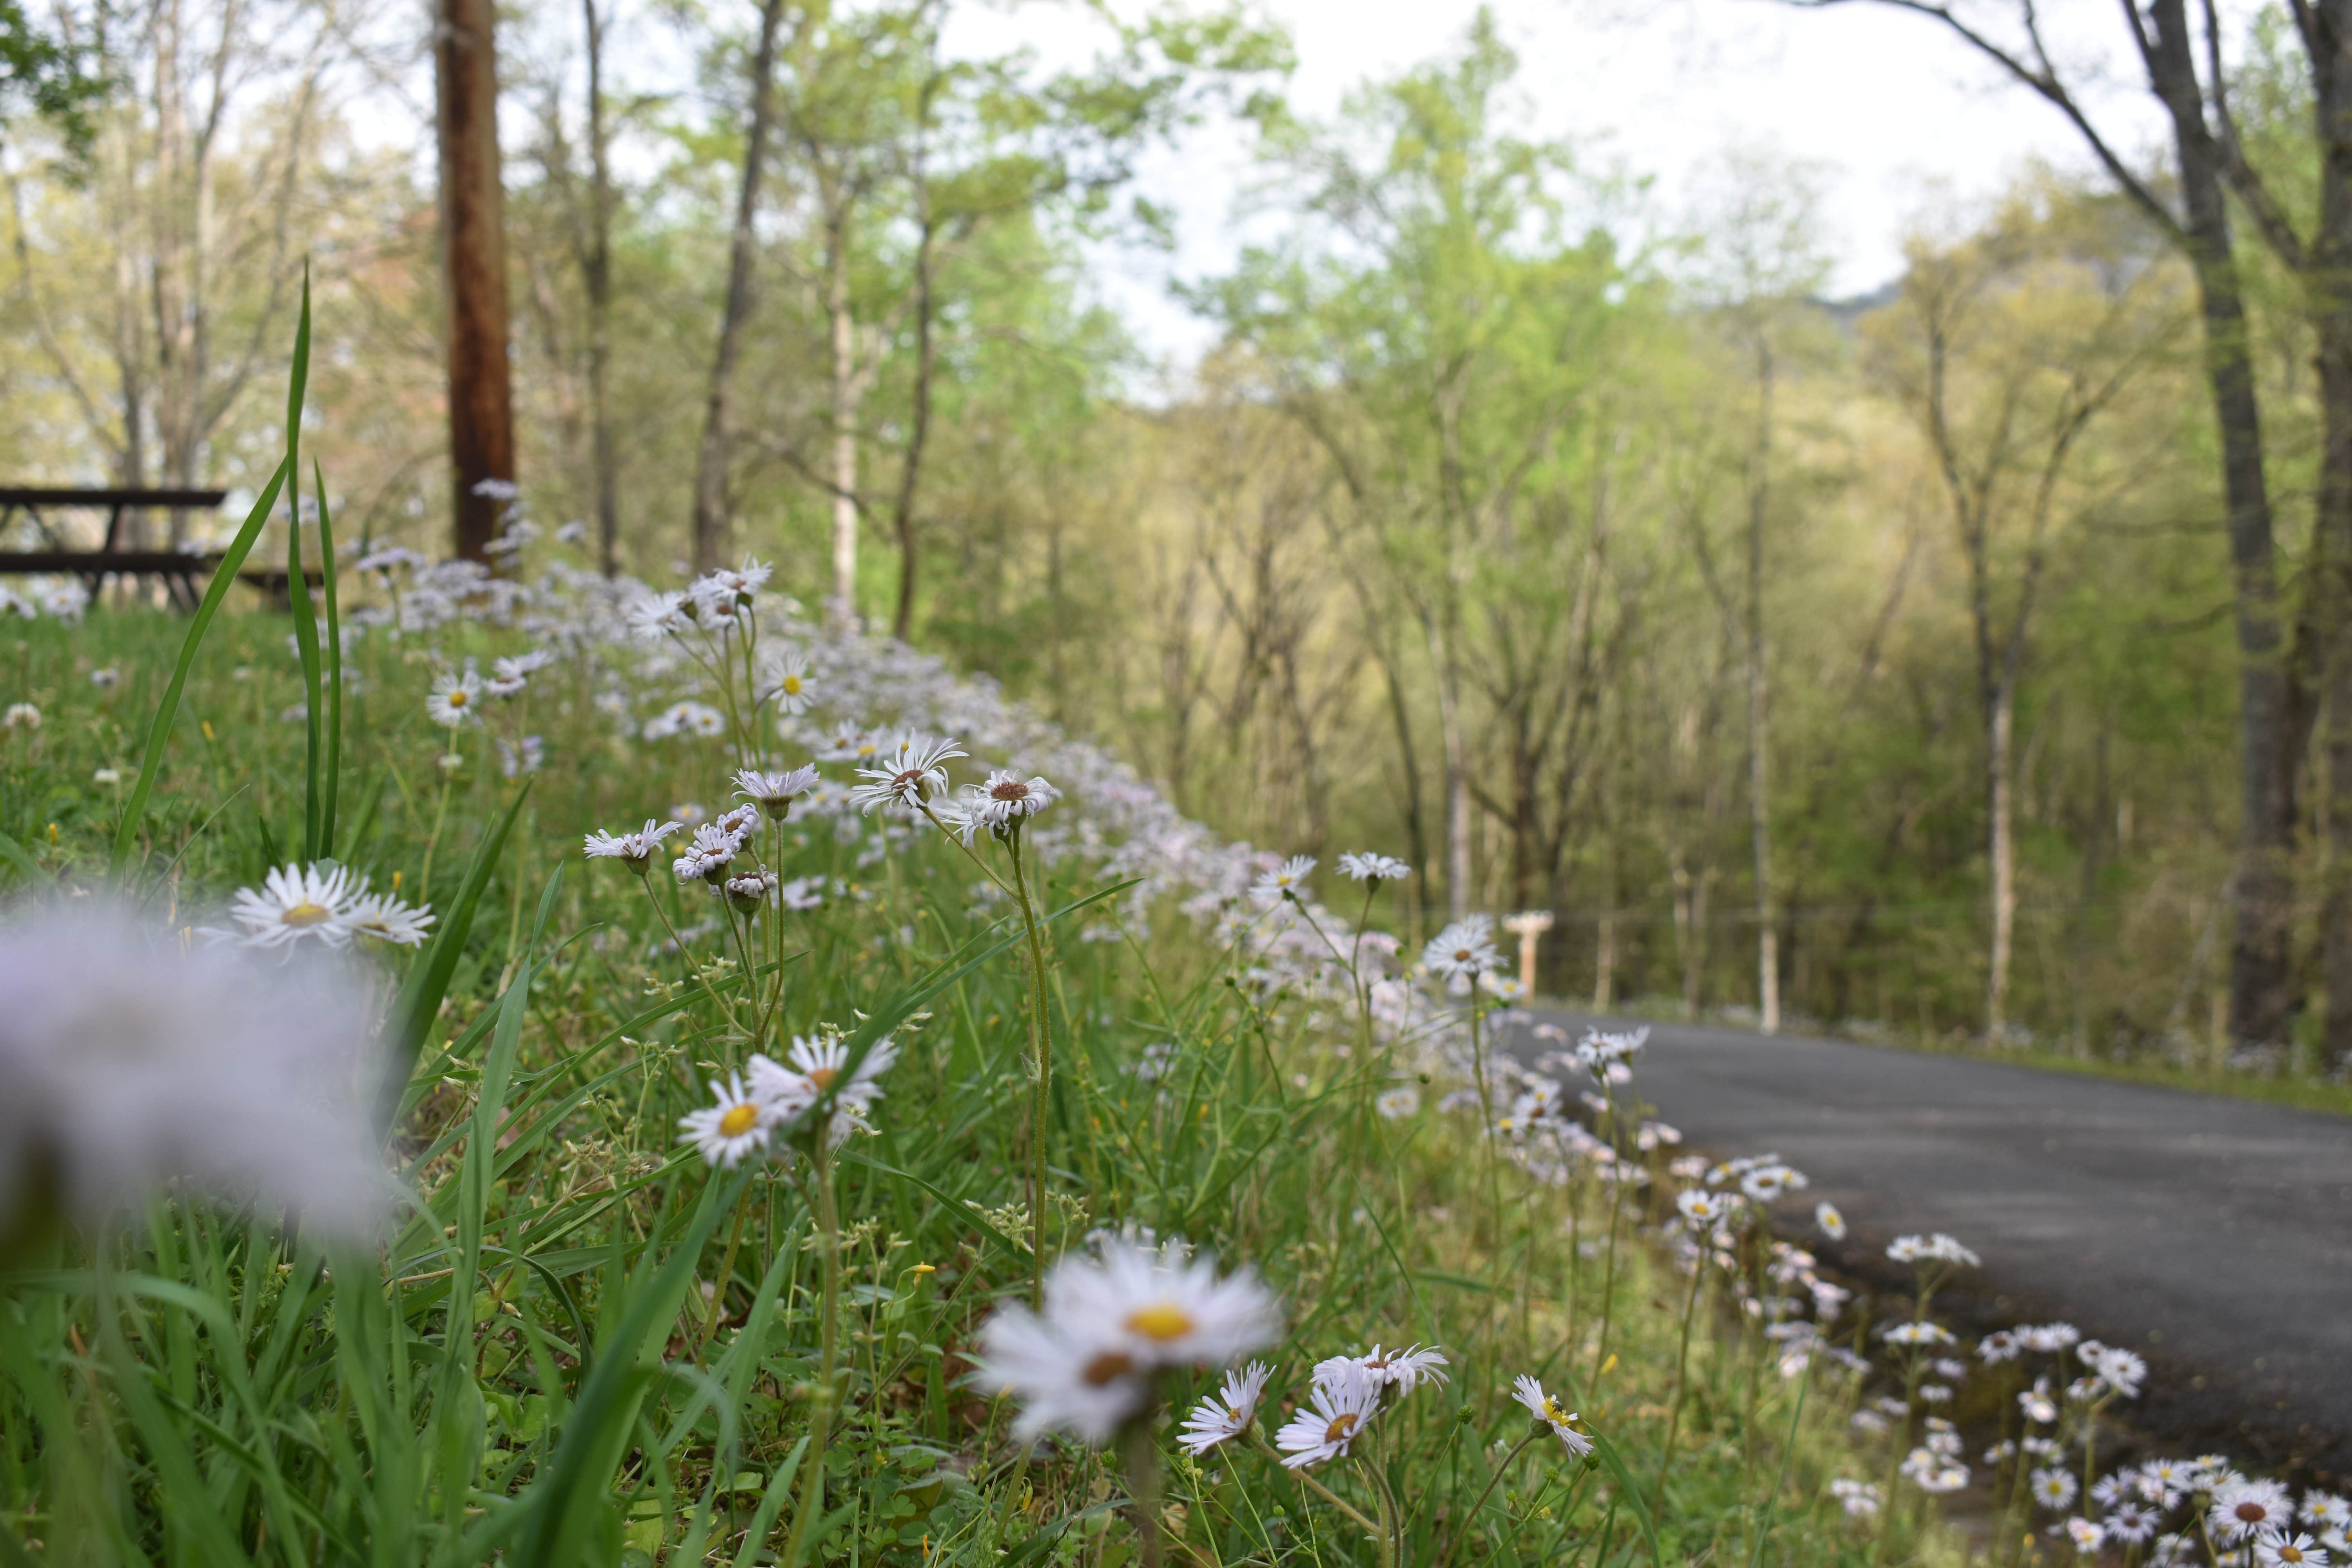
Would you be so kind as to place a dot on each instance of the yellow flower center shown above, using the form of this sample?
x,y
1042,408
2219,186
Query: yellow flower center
x,y
1341,1425
459,698
2290,1554
1553,1413
1104,1368
308,914
823,1077
792,686
1159,1322
738,1120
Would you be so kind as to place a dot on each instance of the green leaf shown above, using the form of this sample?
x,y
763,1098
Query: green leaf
x,y
17,855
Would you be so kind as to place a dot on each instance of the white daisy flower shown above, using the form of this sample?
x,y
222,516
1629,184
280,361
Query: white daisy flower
x,y
380,917
2326,1511
802,893
721,592
812,1066
915,770
634,850
1462,950
737,1124
1859,1498
1922,1332
1338,1409
658,615
296,903
2054,1489
748,893
707,855
1402,1370
2285,1549
456,699
1110,1321
1374,869
1548,1410
1226,1414
1702,1208
2132,1522
2243,1509
21,716
1290,877
1936,1249
2036,1402
129,1060
2086,1533
791,690
774,793
1399,1102
1004,802
1831,1222
2119,1369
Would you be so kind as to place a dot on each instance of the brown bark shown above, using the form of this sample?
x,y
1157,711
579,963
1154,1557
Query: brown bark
x,y
473,265
711,506
596,270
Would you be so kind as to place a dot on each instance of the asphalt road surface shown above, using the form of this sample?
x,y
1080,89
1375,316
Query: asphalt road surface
x,y
2214,1235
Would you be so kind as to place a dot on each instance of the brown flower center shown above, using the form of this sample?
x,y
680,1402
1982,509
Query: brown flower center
x,y
823,1078
2252,1512
1341,1425
1010,789
1105,1368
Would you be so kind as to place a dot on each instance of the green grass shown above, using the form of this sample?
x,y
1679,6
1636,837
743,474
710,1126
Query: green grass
x,y
201,1388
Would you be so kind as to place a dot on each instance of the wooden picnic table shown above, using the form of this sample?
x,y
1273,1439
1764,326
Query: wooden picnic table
x,y
178,568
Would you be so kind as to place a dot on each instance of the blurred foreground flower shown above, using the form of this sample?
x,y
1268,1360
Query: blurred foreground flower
x,y
129,1060
1086,1366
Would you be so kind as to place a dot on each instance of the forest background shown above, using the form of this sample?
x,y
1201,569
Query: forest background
x,y
1880,662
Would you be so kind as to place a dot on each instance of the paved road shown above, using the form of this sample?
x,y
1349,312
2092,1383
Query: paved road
x,y
2212,1235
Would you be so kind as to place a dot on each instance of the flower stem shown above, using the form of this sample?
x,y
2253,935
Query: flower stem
x,y
1682,1364
1471,1518
828,1224
1142,1457
1041,1074
726,1273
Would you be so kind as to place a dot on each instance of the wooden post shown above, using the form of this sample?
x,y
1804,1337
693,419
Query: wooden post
x,y
474,263
1530,925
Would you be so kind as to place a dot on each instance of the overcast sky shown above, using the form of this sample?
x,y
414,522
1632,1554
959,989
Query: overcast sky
x,y
1890,109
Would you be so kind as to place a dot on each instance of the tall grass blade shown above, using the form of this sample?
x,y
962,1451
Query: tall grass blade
x,y
298,585
419,1001
159,727
333,788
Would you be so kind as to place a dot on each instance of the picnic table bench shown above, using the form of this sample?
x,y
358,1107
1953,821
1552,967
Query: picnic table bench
x,y
178,569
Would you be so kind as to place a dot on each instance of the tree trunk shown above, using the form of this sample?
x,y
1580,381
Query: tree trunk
x,y
2261,980
2333,583
846,397
2000,724
474,263
1759,814
596,267
902,518
710,499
